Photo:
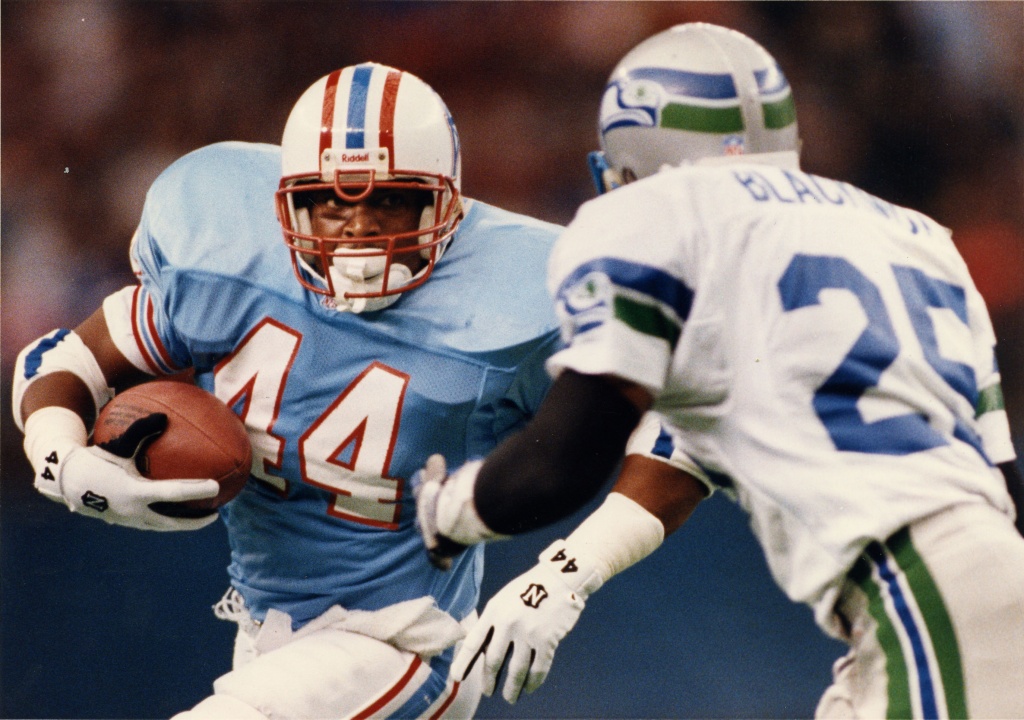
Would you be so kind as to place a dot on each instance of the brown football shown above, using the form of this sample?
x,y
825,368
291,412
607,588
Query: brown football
x,y
203,439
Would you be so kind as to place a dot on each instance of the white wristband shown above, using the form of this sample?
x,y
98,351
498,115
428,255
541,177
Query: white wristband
x,y
616,535
50,434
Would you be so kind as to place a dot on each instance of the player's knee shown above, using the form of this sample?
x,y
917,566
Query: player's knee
x,y
221,707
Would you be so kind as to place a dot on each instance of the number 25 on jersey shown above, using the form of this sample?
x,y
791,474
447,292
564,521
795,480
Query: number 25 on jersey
x,y
877,347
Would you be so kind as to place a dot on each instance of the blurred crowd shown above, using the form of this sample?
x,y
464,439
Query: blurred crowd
x,y
921,103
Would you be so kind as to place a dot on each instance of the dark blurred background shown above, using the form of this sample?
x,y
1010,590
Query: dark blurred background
x,y
921,103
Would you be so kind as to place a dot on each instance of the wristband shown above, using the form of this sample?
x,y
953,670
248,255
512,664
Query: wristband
x,y
50,434
616,535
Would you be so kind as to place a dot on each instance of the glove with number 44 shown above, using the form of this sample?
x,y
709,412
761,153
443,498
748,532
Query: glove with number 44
x,y
103,481
525,621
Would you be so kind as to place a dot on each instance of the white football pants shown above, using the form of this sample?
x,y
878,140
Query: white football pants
x,y
335,673
936,619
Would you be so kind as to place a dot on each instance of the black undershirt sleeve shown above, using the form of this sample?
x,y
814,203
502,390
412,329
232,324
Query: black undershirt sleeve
x,y
560,460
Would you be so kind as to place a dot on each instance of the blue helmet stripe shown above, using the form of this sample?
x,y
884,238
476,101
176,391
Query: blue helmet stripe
x,y
763,76
356,126
706,86
455,139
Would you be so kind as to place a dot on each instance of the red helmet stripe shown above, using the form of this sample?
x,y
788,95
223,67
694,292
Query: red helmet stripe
x,y
387,115
327,116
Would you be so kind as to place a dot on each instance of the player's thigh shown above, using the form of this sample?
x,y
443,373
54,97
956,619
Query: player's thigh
x,y
338,674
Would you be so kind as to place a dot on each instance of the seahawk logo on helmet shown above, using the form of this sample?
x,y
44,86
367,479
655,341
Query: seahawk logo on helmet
x,y
694,93
359,129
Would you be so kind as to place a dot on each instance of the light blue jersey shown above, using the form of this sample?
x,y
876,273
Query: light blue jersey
x,y
341,409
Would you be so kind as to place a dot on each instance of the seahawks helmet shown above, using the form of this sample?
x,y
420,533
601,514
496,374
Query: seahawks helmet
x,y
356,130
693,93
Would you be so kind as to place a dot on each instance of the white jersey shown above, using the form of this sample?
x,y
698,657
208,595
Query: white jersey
x,y
819,353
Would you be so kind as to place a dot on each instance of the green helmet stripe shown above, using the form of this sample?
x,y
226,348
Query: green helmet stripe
x,y
677,116
701,119
779,114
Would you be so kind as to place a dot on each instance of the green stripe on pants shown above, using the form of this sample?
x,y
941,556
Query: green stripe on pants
x,y
895,666
917,590
936,618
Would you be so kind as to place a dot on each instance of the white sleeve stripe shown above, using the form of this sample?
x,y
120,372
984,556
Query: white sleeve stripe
x,y
138,326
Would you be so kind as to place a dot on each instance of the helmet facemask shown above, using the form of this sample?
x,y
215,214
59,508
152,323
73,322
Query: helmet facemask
x,y
366,273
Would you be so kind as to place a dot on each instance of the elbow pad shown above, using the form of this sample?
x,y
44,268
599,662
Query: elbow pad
x,y
58,351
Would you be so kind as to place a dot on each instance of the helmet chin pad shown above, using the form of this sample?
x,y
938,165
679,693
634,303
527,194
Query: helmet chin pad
x,y
354,279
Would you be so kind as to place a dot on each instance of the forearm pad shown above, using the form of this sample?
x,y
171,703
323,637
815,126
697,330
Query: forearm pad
x,y
58,351
615,536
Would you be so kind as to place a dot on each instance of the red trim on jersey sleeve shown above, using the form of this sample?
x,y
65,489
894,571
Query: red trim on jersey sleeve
x,y
139,342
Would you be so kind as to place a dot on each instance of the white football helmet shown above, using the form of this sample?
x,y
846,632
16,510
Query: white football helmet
x,y
694,93
358,129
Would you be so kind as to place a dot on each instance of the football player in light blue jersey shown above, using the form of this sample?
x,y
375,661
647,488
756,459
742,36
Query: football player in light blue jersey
x,y
396,318
819,355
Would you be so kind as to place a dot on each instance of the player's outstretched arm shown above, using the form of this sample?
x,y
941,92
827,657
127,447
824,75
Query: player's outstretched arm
x,y
523,624
60,382
539,475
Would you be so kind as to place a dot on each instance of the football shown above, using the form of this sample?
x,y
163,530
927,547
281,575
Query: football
x,y
203,439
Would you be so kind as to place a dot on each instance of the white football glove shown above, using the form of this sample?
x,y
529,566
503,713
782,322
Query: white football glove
x,y
103,482
523,623
445,513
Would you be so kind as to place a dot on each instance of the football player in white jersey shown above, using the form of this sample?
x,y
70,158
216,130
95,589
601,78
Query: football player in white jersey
x,y
820,355
396,315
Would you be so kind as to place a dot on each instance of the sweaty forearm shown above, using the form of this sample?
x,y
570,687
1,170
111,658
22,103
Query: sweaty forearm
x,y
560,460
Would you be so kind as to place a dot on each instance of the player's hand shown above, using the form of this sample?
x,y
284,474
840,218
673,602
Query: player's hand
x,y
426,487
103,482
519,631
